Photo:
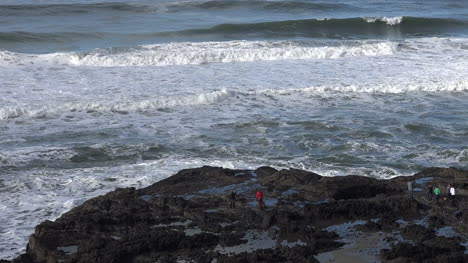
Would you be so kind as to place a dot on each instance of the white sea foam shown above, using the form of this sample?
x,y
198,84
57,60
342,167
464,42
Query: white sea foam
x,y
447,157
458,85
148,105
45,194
281,113
386,88
206,52
389,20
227,52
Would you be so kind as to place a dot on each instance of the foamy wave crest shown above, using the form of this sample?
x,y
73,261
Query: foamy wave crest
x,y
13,58
115,106
227,52
210,52
461,85
388,20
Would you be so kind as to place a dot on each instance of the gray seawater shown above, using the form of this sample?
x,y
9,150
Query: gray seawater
x,y
96,95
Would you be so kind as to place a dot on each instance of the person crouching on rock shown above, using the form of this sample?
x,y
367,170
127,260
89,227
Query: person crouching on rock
x,y
259,197
232,199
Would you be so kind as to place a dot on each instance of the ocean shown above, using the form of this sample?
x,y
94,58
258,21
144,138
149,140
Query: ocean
x,y
98,94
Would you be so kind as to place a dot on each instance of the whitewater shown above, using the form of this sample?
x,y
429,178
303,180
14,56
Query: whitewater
x,y
96,95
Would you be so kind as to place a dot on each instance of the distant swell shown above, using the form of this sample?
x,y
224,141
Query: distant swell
x,y
30,37
67,9
279,6
209,52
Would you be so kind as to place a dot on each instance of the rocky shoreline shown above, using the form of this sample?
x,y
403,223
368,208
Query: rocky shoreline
x,y
308,218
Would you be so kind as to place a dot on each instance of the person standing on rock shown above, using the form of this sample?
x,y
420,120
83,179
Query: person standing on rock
x,y
232,199
430,192
410,190
452,195
437,194
259,197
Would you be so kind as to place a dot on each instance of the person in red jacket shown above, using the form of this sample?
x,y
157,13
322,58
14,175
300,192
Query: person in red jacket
x,y
259,197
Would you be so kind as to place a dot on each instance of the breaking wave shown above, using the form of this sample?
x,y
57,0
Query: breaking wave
x,y
445,86
208,52
388,20
119,107
49,111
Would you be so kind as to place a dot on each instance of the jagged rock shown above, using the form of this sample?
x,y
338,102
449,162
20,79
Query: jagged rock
x,y
299,255
436,250
418,233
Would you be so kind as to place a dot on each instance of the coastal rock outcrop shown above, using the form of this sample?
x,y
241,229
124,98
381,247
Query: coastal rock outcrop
x,y
308,218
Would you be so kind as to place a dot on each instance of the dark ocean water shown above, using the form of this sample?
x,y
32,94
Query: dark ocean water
x,y
51,26
102,94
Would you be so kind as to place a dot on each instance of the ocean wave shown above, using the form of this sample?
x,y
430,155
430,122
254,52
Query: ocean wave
x,y
80,156
33,155
226,52
275,6
346,28
105,153
121,107
447,157
336,28
208,52
125,107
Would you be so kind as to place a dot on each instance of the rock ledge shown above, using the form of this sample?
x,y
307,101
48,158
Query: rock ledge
x,y
308,218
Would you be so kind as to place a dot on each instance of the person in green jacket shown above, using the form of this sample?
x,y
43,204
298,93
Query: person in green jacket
x,y
437,193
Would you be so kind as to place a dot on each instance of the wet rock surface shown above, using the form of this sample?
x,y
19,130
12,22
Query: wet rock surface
x,y
187,218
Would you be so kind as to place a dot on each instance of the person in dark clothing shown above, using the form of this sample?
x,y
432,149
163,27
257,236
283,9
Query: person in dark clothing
x,y
410,190
430,192
232,199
